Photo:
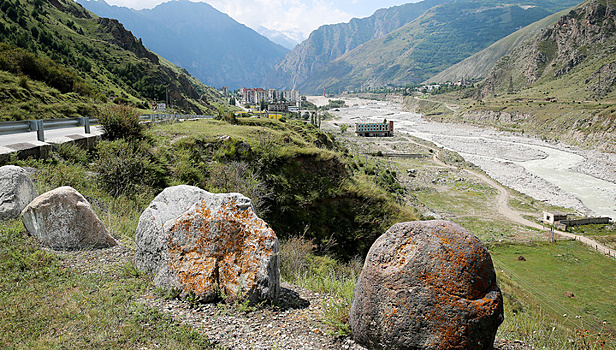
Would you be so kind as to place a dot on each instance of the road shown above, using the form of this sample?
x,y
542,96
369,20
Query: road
x,y
50,134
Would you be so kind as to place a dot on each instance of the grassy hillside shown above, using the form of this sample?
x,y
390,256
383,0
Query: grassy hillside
x,y
481,63
301,180
57,60
558,85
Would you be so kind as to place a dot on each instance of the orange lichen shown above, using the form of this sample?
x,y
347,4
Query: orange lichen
x,y
213,257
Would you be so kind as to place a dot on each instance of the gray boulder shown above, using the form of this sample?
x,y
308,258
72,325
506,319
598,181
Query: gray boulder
x,y
63,219
427,285
207,244
16,191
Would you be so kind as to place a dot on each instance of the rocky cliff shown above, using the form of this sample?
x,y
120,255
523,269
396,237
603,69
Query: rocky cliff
x,y
577,46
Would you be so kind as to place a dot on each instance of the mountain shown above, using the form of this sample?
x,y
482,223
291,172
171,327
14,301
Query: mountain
x,y
332,41
278,37
57,59
419,40
212,46
572,59
558,85
480,64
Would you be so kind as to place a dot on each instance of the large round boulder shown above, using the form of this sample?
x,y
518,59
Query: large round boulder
x,y
427,285
16,191
208,245
63,219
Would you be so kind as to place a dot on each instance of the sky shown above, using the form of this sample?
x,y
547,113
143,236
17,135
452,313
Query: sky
x,y
295,18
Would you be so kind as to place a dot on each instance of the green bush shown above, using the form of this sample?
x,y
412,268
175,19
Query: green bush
x,y
120,122
128,168
71,153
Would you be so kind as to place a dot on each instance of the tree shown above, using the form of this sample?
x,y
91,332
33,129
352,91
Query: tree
x,y
343,128
232,101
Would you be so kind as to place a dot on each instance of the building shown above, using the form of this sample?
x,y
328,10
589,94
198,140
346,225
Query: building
x,y
552,217
375,129
291,95
562,221
225,91
278,107
256,95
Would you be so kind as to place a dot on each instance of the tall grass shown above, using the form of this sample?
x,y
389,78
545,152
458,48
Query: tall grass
x,y
322,274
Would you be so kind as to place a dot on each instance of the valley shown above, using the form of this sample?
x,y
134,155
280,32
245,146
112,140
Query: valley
x,y
552,172
524,123
444,185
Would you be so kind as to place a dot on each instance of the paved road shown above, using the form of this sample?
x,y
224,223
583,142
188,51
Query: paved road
x,y
50,134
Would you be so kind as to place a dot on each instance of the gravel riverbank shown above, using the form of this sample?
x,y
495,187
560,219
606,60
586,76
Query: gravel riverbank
x,y
584,180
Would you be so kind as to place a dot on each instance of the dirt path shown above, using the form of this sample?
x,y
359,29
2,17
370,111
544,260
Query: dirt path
x,y
505,210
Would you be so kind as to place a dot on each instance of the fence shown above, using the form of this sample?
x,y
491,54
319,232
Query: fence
x,y
39,126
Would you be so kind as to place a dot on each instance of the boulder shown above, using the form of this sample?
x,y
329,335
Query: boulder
x,y
427,285
63,219
16,191
208,244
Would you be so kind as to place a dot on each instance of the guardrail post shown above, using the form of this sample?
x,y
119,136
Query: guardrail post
x,y
33,125
86,124
40,131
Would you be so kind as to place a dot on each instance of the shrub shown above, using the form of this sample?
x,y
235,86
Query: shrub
x,y
127,168
239,177
24,82
71,153
120,122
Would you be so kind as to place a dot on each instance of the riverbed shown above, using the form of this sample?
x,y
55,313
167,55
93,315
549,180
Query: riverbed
x,y
582,180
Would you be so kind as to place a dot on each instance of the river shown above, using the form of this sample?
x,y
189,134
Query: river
x,y
545,171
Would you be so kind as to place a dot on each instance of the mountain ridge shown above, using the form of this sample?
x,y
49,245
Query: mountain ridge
x,y
319,63
215,48
316,51
58,59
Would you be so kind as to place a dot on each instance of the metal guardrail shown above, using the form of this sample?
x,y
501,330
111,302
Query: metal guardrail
x,y
25,126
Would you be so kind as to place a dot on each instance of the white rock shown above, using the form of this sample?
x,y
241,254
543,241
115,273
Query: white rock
x,y
63,219
16,191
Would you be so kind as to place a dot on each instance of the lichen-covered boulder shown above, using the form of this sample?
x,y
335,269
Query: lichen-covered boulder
x,y
427,285
216,245
16,191
151,253
63,219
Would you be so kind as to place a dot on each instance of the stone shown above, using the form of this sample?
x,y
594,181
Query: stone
x,y
207,245
427,285
16,191
63,219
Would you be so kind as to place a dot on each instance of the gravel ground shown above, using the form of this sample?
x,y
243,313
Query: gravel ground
x,y
295,323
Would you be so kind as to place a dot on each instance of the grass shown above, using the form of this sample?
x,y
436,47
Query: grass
x,y
550,271
595,231
48,306
322,274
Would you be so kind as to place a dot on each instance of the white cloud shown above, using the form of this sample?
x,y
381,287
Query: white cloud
x,y
295,18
